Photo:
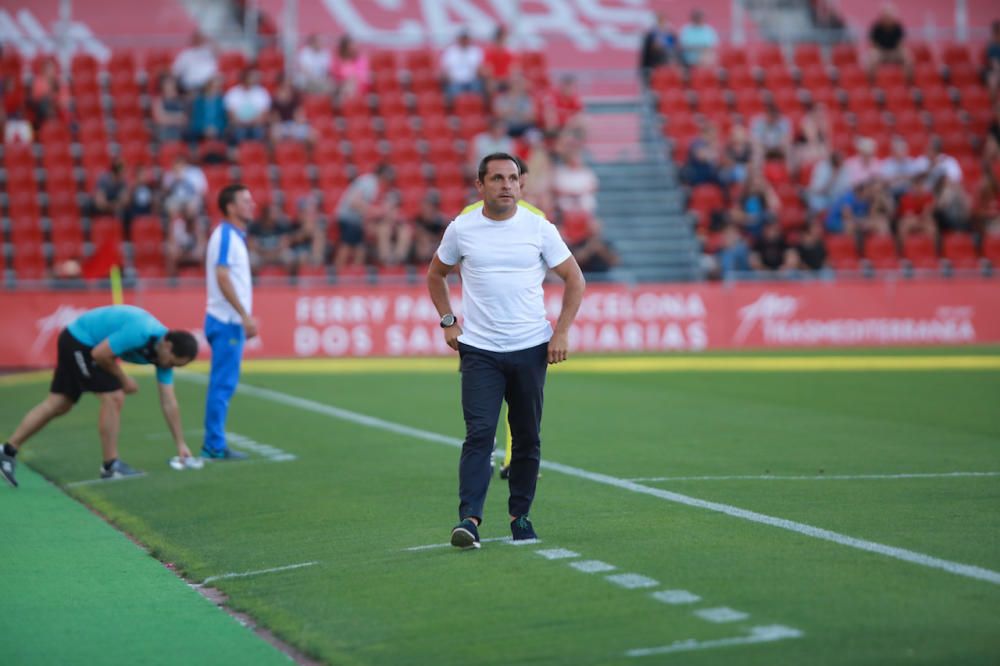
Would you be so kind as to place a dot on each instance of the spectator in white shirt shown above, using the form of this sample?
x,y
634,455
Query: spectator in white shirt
x,y
575,184
196,65
461,64
248,104
864,166
899,169
314,66
698,41
937,165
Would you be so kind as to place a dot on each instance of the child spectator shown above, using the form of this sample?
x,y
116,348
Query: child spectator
x,y
350,71
288,120
314,63
169,116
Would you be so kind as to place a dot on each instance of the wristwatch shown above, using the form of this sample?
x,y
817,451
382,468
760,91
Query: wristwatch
x,y
448,320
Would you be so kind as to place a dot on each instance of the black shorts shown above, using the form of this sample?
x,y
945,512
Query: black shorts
x,y
77,373
351,234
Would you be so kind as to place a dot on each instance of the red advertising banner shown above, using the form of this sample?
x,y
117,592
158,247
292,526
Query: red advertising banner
x,y
401,321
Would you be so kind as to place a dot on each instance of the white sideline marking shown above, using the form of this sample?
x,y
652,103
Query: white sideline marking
x,y
676,597
766,634
91,482
446,545
817,477
957,568
631,581
246,574
557,554
721,614
592,566
525,542
243,442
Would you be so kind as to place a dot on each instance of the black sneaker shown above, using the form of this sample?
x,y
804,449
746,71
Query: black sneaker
x,y
521,529
465,535
119,470
224,454
7,465
505,472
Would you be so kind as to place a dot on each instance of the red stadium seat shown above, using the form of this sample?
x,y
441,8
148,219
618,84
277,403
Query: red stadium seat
x,y
147,241
991,250
67,239
706,198
960,251
417,60
844,55
468,104
955,54
842,252
252,154
393,105
430,104
919,250
770,56
703,79
63,202
880,251
106,229
808,55
665,78
290,154
28,262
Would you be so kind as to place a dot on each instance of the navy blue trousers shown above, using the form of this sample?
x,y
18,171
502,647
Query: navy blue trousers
x,y
489,378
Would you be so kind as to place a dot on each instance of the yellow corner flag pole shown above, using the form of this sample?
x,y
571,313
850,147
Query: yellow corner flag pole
x,y
116,286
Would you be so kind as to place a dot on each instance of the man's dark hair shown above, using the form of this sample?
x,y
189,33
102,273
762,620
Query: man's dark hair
x,y
494,157
184,344
228,195
522,168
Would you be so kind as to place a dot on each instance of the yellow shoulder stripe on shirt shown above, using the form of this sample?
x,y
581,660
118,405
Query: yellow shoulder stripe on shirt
x,y
522,204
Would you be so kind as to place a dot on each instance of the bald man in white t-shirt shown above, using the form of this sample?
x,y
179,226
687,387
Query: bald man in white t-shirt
x,y
505,341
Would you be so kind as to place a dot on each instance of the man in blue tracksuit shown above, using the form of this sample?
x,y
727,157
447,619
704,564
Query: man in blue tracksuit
x,y
228,323
89,349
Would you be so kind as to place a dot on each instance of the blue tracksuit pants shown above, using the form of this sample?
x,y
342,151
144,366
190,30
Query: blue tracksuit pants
x,y
226,341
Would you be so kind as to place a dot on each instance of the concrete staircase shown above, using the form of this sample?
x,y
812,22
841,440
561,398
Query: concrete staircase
x,y
640,200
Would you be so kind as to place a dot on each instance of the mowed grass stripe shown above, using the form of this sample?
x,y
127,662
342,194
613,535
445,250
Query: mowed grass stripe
x,y
966,570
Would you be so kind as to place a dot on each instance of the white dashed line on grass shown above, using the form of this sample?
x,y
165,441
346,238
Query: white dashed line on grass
x,y
447,545
592,566
676,597
903,554
766,634
557,554
816,477
631,581
247,574
721,615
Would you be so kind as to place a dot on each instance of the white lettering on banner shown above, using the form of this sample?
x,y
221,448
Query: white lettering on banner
x,y
332,341
321,310
633,336
628,306
588,24
414,308
767,307
401,340
55,322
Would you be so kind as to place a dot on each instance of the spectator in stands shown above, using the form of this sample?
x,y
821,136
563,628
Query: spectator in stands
x,y
351,71
308,240
269,240
698,41
581,230
248,104
314,66
184,188
985,213
49,97
111,192
899,170
811,249
208,113
429,226
143,194
937,165
734,253
756,205
737,155
814,136
866,208
772,135
393,234
562,108
169,113
993,131
498,61
537,189
915,211
16,127
703,165
771,252
461,65
196,65
494,140
992,58
952,208
364,202
865,165
659,47
186,237
515,106
886,38
288,118
575,184
827,183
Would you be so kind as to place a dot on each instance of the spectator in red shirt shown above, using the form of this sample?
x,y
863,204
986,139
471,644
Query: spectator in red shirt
x,y
563,106
498,61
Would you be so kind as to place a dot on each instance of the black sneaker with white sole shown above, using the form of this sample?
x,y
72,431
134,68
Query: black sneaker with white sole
x,y
465,535
119,470
7,466
521,529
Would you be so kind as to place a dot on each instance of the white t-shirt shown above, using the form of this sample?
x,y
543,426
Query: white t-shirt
x,y
228,247
247,104
195,66
314,65
461,65
503,265
575,188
